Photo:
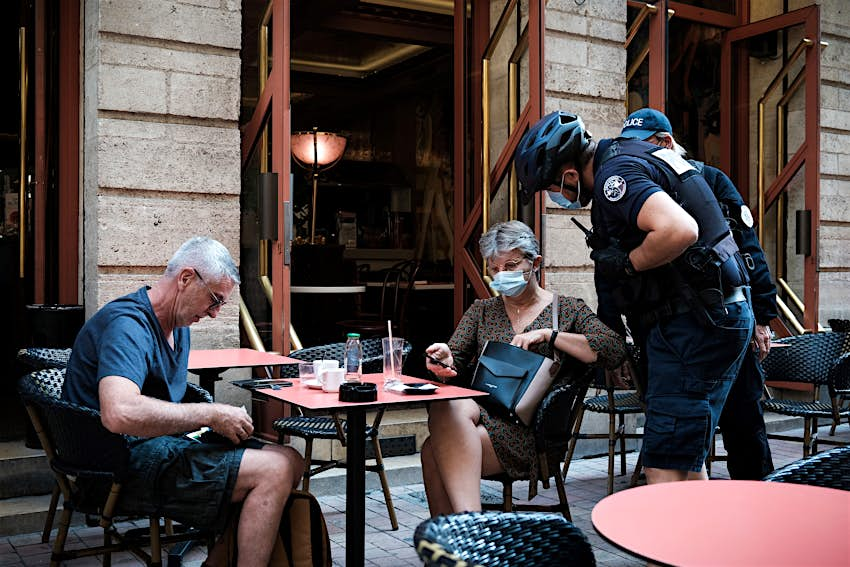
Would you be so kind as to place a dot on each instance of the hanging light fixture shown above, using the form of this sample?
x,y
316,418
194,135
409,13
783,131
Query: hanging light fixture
x,y
316,152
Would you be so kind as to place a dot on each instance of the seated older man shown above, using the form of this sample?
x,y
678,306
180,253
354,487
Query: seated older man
x,y
130,362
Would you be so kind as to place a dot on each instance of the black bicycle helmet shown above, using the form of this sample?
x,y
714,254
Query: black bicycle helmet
x,y
557,138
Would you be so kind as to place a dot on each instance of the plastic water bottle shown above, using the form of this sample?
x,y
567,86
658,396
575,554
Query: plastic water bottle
x,y
353,358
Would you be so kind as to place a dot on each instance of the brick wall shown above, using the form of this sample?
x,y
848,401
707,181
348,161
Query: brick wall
x,y
161,142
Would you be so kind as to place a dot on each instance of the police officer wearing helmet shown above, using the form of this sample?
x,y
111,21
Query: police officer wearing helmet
x,y
665,259
742,420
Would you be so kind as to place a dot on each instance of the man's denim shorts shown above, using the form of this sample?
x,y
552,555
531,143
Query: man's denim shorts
x,y
691,370
183,479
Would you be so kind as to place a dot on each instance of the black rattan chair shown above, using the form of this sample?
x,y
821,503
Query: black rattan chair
x,y
502,539
616,404
38,358
830,469
397,285
83,454
552,425
814,360
311,428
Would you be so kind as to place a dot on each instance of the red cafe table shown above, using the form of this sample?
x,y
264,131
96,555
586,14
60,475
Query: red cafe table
x,y
729,523
209,364
355,487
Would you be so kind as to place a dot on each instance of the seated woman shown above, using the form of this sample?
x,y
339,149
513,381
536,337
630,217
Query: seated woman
x,y
467,442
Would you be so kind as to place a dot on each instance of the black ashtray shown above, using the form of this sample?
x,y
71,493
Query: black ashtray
x,y
358,392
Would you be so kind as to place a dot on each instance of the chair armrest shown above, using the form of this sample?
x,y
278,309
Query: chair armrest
x,y
839,376
196,395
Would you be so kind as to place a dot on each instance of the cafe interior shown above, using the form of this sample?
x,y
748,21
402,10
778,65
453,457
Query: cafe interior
x,y
371,184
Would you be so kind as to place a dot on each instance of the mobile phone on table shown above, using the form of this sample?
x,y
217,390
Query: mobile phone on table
x,y
437,361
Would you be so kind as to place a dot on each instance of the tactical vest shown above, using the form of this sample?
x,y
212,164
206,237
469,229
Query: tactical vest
x,y
712,266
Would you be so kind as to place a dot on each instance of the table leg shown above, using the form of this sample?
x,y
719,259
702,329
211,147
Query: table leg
x,y
207,380
355,487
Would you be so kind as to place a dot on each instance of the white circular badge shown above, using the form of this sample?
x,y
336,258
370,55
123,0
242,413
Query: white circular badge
x,y
614,188
747,216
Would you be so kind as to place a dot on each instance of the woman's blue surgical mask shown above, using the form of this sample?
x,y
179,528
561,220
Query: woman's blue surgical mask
x,y
510,283
562,201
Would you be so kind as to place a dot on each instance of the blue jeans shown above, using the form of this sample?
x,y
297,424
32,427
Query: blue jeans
x,y
691,368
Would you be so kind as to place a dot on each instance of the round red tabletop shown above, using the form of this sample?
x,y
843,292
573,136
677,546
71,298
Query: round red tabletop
x,y
729,522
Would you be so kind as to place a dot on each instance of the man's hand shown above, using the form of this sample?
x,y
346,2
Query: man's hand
x,y
761,341
231,422
612,261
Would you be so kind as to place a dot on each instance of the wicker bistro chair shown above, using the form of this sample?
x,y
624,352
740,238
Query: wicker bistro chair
x,y
552,425
813,359
311,428
616,404
38,358
830,469
79,449
473,539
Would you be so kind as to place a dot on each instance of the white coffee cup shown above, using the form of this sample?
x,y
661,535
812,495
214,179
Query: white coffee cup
x,y
333,378
320,366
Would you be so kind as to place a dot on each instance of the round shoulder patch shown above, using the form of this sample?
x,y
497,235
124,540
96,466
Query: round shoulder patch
x,y
747,216
614,188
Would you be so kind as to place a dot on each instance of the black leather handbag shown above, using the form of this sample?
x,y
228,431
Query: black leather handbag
x,y
516,379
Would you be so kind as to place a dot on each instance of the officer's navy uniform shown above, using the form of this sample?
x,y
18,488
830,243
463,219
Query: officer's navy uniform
x,y
742,420
692,318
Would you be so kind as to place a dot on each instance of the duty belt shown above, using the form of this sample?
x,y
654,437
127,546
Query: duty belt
x,y
736,295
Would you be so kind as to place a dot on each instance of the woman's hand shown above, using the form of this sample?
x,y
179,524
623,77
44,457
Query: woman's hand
x,y
441,352
525,340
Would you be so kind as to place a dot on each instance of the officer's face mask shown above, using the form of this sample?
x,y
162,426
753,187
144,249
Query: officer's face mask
x,y
562,201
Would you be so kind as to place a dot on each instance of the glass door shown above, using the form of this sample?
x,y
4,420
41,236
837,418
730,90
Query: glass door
x,y
771,88
502,72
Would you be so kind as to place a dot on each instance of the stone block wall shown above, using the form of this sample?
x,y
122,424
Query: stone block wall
x,y
584,72
834,237
161,143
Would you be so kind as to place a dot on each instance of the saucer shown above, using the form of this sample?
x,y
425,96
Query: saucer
x,y
314,384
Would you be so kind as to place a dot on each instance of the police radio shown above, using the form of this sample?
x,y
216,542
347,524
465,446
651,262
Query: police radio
x,y
594,242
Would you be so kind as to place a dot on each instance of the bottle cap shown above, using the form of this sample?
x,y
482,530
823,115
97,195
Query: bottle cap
x,y
353,335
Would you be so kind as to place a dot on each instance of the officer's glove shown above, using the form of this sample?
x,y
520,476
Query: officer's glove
x,y
613,261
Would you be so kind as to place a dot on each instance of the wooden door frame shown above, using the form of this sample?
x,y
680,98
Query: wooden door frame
x,y
736,154
273,103
468,110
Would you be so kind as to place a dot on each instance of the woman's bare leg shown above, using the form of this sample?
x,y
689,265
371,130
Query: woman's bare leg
x,y
461,451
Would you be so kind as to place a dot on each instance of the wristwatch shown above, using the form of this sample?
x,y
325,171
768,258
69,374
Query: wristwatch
x,y
629,267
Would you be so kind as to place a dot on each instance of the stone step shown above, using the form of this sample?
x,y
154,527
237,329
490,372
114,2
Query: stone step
x,y
23,471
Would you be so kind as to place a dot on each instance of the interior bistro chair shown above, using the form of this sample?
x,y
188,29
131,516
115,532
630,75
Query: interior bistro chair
x,y
553,422
80,451
311,427
829,469
616,404
396,286
471,539
815,360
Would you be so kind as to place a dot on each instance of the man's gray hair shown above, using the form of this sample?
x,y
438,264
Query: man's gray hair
x,y
207,255
507,236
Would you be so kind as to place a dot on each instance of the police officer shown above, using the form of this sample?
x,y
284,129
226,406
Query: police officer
x,y
742,419
664,258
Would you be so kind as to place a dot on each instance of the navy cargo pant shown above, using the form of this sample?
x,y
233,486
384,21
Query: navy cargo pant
x,y
742,424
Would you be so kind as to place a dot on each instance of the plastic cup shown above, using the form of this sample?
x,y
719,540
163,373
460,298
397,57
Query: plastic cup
x,y
392,360
306,371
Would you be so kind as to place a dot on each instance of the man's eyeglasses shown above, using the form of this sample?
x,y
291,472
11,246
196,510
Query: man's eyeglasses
x,y
216,300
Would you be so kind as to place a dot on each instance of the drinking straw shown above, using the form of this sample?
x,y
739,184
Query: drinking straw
x,y
392,357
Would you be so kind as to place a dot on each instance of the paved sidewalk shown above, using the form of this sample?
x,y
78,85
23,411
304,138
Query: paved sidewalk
x,y
586,485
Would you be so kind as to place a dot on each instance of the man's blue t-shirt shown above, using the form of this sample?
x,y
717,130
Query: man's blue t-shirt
x,y
124,338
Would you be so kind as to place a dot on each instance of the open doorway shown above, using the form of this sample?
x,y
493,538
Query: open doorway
x,y
380,74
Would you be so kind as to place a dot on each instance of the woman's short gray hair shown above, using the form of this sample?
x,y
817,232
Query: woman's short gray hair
x,y
507,236
207,255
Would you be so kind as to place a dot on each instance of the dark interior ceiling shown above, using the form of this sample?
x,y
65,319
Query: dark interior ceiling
x,y
343,51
